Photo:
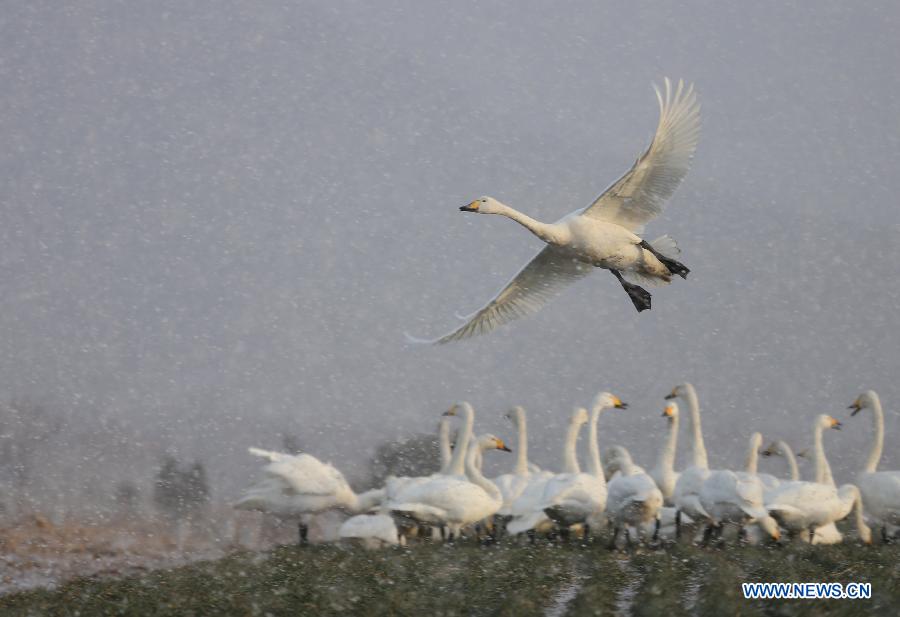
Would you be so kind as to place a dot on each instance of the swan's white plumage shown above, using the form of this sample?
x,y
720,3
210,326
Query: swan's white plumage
x,y
374,530
639,196
604,233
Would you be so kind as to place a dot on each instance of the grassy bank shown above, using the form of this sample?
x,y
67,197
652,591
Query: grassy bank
x,y
473,580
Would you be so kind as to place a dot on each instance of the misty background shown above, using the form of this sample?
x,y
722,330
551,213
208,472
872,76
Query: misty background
x,y
218,219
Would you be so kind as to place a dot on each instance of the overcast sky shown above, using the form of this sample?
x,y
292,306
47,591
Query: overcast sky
x,y
219,218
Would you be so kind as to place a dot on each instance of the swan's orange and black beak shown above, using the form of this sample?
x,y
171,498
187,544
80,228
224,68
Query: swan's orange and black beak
x,y
855,407
668,412
450,412
835,424
472,207
670,395
502,446
619,403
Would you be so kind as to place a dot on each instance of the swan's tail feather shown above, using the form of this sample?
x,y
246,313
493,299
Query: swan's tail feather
x,y
666,246
266,454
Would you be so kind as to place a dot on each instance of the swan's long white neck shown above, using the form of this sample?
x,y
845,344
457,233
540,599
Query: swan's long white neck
x,y
522,444
699,450
594,448
549,233
368,500
752,462
666,462
823,469
790,458
474,473
444,444
458,462
878,442
570,459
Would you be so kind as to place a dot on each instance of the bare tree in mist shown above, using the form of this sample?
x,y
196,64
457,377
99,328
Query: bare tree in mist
x,y
412,456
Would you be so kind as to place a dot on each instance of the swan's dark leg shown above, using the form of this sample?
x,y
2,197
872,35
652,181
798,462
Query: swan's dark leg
x,y
675,267
656,530
443,533
586,537
640,297
812,535
707,534
627,538
884,535
612,541
532,536
677,524
304,531
564,534
742,534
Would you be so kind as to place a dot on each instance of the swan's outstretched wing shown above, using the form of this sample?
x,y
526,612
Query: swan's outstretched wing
x,y
537,283
639,195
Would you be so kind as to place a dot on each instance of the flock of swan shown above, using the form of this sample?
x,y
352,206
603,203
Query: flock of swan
x,y
612,493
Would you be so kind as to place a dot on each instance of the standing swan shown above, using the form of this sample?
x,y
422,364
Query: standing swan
x,y
604,234
880,489
687,489
827,534
300,486
737,497
527,510
806,506
581,497
512,485
452,500
664,473
633,500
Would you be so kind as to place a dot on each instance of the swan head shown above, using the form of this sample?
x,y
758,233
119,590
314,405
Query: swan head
x,y
825,421
756,441
768,524
454,409
773,449
514,414
483,205
670,411
492,442
863,401
605,400
615,457
580,416
679,391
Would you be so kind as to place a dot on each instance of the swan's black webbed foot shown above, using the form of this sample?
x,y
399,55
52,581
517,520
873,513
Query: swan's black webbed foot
x,y
640,297
674,266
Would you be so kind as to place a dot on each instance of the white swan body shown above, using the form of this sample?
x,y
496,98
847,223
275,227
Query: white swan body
x,y
604,234
664,473
827,534
527,510
614,458
686,495
880,489
372,530
804,507
302,484
738,497
578,497
633,499
451,500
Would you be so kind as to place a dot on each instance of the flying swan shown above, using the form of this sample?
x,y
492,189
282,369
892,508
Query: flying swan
x,y
605,234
